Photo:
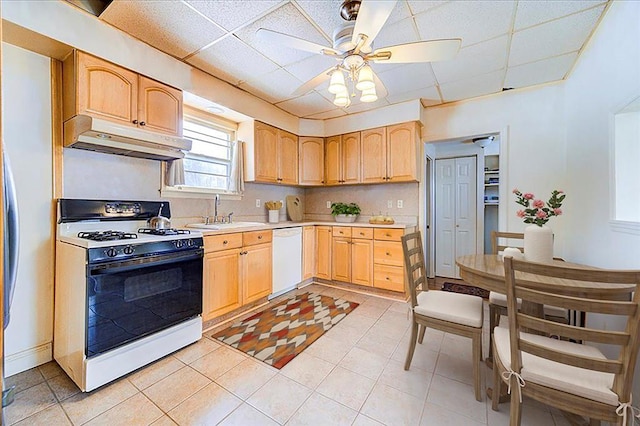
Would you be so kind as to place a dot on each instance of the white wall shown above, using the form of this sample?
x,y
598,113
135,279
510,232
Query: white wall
x,y
532,122
26,109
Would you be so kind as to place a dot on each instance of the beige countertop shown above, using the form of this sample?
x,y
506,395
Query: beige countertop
x,y
282,225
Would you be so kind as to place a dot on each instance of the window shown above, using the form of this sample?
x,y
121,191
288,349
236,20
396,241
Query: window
x,y
209,165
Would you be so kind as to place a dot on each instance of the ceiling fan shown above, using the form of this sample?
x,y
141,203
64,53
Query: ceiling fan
x,y
353,49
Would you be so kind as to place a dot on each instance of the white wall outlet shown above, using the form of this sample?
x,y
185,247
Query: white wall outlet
x,y
400,204
390,204
257,202
328,204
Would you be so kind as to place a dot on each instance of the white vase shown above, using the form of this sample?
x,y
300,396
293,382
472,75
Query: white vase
x,y
274,216
538,244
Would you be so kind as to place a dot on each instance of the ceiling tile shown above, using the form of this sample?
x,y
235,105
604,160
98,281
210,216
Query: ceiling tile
x,y
430,94
172,27
536,12
473,21
553,38
232,60
230,14
472,87
327,115
288,20
326,14
358,106
273,87
309,104
420,6
480,58
399,33
399,13
540,72
407,77
311,67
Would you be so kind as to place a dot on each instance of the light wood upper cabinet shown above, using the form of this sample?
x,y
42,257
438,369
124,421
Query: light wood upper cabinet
x,y
159,107
287,158
98,88
342,159
402,152
275,155
374,155
311,161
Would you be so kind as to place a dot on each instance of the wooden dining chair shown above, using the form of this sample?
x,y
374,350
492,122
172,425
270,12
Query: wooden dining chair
x,y
498,301
454,313
573,377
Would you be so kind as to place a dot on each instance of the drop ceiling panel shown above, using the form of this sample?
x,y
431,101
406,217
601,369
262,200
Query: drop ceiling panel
x,y
233,61
357,106
309,104
473,21
480,58
272,87
536,12
172,27
472,87
553,38
326,14
230,14
407,77
398,33
286,19
540,72
310,67
419,6
328,114
429,94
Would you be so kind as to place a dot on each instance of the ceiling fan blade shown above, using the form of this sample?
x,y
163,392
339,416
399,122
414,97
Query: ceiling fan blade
x,y
371,17
315,81
294,42
421,51
381,91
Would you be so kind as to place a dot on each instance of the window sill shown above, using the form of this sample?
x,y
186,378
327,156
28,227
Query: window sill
x,y
186,192
626,227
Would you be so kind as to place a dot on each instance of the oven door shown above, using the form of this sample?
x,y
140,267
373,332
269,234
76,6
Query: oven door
x,y
131,299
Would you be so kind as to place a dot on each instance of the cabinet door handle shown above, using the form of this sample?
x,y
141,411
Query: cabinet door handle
x,y
386,278
135,121
388,254
225,242
259,237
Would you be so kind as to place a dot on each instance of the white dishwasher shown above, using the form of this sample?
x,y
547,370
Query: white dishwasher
x,y
287,259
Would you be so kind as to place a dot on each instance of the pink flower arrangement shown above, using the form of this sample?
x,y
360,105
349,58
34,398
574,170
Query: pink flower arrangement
x,y
537,211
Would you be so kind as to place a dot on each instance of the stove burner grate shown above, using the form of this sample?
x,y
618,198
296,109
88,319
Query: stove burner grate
x,y
166,231
107,235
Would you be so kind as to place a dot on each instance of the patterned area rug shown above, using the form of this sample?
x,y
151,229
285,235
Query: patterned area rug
x,y
277,334
465,289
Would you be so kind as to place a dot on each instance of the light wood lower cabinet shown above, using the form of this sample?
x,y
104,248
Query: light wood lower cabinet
x,y
352,257
388,259
308,252
237,271
323,253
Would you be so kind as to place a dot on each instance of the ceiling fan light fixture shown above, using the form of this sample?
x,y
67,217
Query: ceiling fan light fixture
x,y
369,95
342,99
365,79
336,84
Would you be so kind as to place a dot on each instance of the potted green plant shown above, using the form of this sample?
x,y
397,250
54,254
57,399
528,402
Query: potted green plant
x,y
343,212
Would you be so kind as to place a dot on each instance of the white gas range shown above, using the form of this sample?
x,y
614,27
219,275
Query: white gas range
x,y
125,294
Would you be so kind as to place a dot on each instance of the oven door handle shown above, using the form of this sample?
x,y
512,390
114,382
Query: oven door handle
x,y
127,265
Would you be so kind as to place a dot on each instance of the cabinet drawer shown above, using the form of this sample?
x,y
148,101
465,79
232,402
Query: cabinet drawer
x,y
362,233
388,234
388,253
388,277
256,237
222,242
342,231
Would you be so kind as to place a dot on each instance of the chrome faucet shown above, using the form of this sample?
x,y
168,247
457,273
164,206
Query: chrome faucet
x,y
216,203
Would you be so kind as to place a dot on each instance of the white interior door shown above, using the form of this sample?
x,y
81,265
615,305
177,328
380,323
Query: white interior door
x,y
445,217
455,213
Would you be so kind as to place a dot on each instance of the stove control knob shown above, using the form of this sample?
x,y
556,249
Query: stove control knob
x,y
189,242
111,252
128,250
178,243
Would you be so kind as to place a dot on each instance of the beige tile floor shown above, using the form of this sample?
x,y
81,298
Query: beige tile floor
x,y
353,375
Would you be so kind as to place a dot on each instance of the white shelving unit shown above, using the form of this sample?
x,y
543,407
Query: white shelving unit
x,y
491,197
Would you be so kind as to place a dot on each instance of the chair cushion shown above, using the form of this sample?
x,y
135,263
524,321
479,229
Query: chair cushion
x,y
453,307
501,300
567,378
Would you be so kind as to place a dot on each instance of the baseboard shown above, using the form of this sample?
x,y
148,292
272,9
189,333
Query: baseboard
x,y
29,358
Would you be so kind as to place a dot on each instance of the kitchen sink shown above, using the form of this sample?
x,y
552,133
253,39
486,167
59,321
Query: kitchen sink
x,y
219,226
